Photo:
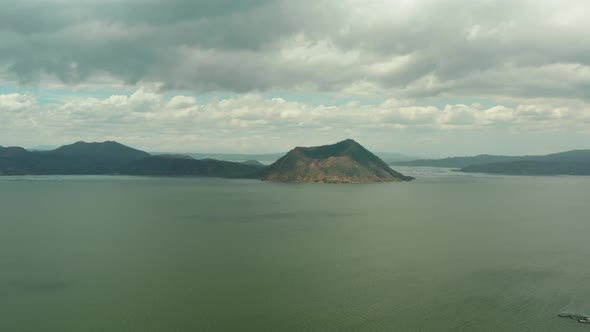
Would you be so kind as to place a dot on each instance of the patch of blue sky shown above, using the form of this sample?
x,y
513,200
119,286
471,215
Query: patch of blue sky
x,y
52,97
8,88
441,102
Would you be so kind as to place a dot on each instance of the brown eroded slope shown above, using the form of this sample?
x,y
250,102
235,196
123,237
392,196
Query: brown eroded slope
x,y
344,162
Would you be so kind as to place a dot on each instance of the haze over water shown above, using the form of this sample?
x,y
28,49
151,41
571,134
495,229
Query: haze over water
x,y
448,252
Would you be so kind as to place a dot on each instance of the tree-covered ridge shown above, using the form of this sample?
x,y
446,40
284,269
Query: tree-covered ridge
x,y
83,158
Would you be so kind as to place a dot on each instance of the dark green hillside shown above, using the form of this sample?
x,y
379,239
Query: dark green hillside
x,y
106,152
16,161
113,158
165,166
253,163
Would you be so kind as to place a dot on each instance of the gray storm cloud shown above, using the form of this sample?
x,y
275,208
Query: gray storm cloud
x,y
399,48
416,76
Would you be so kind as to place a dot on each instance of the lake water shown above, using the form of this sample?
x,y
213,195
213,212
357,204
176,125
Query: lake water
x,y
448,252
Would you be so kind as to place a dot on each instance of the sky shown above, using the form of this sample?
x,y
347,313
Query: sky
x,y
420,77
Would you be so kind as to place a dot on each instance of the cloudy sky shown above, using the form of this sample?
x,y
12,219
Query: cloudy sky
x,y
420,77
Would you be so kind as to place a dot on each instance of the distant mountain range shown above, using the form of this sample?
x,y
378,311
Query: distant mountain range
x,y
264,158
457,162
269,158
344,162
77,158
528,167
575,162
167,166
115,158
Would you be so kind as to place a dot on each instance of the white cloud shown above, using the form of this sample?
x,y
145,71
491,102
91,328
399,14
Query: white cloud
x,y
16,102
182,102
151,121
405,49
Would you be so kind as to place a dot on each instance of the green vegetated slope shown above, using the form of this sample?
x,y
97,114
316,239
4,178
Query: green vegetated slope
x,y
114,158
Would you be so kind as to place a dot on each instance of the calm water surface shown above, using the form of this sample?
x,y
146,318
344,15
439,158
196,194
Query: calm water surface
x,y
449,252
